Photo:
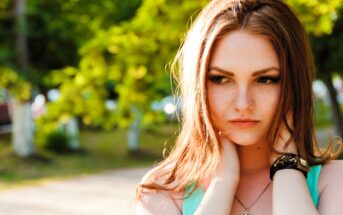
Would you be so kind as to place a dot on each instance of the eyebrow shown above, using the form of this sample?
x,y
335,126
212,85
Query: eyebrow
x,y
256,73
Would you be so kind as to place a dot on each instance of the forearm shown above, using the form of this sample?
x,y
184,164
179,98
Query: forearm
x,y
218,198
291,195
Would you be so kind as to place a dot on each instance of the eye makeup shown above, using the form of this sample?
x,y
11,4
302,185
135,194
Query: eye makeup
x,y
268,79
217,79
265,79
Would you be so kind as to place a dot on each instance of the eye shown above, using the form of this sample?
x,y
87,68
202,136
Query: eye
x,y
268,79
218,79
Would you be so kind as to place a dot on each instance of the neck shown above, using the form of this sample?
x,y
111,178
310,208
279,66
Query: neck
x,y
253,159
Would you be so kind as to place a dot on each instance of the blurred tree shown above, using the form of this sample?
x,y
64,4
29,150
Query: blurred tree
x,y
323,21
6,32
133,57
328,51
318,16
59,28
54,32
22,122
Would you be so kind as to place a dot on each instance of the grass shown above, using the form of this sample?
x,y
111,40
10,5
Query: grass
x,y
101,151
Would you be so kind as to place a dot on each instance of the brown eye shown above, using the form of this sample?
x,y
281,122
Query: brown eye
x,y
268,80
217,79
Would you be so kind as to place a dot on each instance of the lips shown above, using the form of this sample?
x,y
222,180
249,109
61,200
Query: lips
x,y
244,123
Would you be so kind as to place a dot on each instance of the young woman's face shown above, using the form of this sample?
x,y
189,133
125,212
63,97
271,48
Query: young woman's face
x,y
243,86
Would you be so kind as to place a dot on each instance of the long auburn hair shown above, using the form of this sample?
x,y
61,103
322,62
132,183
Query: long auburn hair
x,y
197,151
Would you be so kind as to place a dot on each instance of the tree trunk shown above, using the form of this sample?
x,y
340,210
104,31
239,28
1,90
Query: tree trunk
x,y
22,129
336,111
21,42
21,114
72,129
133,136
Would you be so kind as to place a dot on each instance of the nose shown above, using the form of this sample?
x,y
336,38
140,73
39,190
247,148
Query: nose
x,y
244,101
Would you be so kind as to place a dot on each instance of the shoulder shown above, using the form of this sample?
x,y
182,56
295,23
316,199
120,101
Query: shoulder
x,y
331,171
333,165
155,201
331,188
157,175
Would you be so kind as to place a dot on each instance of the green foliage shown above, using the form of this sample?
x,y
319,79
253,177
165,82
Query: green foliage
x,y
58,141
6,34
58,28
55,31
328,49
15,84
318,16
133,56
4,12
45,125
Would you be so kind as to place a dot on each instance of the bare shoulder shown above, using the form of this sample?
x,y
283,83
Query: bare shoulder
x,y
331,188
331,171
147,177
154,201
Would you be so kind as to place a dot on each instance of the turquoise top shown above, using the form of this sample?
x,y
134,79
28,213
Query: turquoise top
x,y
191,203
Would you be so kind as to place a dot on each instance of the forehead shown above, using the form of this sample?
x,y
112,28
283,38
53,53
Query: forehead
x,y
240,51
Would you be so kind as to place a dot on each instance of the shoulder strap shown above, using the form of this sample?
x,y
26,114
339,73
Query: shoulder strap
x,y
312,182
191,203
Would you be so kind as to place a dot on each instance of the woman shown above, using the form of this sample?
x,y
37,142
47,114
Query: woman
x,y
245,76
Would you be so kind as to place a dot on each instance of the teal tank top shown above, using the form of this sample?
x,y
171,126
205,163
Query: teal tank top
x,y
191,203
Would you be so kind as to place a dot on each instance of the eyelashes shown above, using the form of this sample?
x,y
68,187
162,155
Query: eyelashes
x,y
268,79
220,79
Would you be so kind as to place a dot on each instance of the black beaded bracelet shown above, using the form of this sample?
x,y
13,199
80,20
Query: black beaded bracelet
x,y
289,161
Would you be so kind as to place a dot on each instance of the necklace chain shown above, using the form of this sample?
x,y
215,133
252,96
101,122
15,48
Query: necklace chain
x,y
246,209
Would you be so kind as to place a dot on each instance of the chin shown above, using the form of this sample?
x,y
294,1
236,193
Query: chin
x,y
244,140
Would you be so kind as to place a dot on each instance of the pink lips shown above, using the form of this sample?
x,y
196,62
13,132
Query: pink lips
x,y
244,123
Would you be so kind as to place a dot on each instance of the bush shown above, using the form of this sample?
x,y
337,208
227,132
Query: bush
x,y
57,141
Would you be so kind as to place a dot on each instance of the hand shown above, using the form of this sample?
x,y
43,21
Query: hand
x,y
228,168
282,137
219,195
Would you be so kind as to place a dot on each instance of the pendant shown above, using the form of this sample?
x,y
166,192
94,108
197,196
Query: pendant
x,y
245,213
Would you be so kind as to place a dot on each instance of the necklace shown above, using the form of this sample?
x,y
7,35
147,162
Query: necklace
x,y
246,209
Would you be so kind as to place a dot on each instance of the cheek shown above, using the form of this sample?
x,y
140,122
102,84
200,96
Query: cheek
x,y
268,101
218,101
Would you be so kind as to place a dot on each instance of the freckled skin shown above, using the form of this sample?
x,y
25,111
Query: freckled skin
x,y
243,95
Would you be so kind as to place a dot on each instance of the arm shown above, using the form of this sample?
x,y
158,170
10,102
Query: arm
x,y
291,195
290,191
219,196
331,196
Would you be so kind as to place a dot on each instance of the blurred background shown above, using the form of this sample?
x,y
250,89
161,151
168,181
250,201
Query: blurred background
x,y
88,105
